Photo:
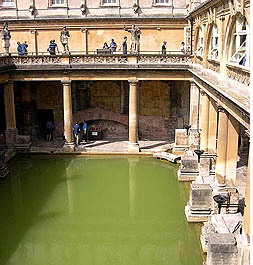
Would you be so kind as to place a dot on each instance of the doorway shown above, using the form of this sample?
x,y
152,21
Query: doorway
x,y
44,115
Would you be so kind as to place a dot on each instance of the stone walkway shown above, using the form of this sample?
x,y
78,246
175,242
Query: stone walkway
x,y
104,146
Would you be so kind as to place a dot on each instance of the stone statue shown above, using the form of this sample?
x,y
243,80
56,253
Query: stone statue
x,y
135,38
64,39
6,36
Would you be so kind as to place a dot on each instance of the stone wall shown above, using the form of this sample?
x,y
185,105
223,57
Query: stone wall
x,y
106,95
49,96
154,99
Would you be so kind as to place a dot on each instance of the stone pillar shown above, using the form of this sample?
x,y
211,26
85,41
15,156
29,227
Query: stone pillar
x,y
194,105
204,121
68,118
232,149
246,217
10,116
133,146
212,130
222,147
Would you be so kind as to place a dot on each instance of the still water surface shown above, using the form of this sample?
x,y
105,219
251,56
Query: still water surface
x,y
95,211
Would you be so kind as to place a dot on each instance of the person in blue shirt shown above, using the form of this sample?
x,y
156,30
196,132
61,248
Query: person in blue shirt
x,y
52,47
113,46
20,49
76,129
85,135
50,129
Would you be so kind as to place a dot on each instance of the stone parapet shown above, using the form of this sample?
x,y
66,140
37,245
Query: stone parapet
x,y
23,143
10,137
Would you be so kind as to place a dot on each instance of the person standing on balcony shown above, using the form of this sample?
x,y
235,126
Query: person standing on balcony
x,y
52,47
25,45
113,46
182,48
124,46
105,46
20,49
164,47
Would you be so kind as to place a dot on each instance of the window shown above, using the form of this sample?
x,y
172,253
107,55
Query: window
x,y
239,47
213,52
58,2
105,2
7,2
200,43
161,1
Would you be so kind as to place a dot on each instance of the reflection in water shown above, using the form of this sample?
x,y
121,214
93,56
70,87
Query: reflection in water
x,y
89,211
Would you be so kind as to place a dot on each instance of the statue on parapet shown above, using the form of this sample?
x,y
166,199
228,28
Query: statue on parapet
x,y
135,38
6,36
64,39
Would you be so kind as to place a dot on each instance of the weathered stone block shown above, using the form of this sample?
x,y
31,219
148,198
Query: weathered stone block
x,y
181,137
222,249
189,164
200,197
194,139
23,143
204,166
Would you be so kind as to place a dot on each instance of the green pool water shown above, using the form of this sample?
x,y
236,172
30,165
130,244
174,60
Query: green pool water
x,y
95,211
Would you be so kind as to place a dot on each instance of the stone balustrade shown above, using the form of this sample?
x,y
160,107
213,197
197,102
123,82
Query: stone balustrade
x,y
93,59
238,74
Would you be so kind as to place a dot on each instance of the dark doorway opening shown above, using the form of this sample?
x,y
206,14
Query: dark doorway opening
x,y
2,111
44,115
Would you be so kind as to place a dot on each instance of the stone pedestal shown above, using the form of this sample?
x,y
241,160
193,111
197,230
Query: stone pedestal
x,y
10,137
204,166
181,141
199,207
194,139
4,170
68,147
189,168
222,249
23,143
220,223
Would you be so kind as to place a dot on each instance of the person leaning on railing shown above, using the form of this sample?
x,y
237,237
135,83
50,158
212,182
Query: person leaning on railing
x,y
52,47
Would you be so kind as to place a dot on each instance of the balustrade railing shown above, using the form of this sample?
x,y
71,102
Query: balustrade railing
x,y
97,59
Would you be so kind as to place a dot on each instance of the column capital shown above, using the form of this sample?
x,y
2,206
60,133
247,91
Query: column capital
x,y
202,92
192,83
220,108
66,81
133,81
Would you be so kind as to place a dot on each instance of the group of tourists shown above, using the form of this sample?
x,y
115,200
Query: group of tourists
x,y
80,132
182,47
113,46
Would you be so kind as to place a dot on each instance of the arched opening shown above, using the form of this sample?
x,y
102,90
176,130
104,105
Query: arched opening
x,y
214,44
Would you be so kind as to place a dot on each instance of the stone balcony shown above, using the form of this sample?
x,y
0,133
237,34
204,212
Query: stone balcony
x,y
91,61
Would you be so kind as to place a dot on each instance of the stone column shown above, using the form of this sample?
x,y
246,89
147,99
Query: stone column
x,y
222,147
133,146
10,116
194,105
212,130
232,149
246,217
204,121
68,118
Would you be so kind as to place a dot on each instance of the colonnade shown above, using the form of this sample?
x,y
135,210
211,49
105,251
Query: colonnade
x,y
133,146
219,134
11,131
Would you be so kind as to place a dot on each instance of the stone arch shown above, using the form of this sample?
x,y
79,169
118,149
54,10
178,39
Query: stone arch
x,y
209,31
105,95
196,36
154,99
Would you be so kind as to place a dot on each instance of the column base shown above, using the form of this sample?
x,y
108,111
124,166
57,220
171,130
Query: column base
x,y
69,147
10,137
133,148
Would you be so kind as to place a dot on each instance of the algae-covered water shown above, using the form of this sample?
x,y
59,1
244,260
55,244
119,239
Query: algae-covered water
x,y
95,211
